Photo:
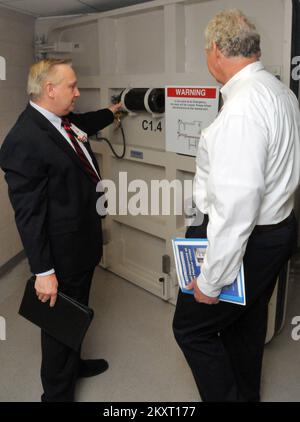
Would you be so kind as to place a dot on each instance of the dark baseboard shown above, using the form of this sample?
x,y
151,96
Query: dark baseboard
x,y
8,266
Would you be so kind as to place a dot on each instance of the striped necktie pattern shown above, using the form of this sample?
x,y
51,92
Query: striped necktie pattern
x,y
67,126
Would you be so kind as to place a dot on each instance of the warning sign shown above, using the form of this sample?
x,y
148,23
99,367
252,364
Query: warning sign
x,y
189,110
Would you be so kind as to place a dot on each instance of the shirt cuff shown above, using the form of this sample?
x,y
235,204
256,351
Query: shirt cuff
x,y
206,288
46,273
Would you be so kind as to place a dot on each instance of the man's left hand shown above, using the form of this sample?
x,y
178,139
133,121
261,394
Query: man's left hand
x,y
199,296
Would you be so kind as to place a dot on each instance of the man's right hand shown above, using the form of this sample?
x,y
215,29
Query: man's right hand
x,y
46,288
115,107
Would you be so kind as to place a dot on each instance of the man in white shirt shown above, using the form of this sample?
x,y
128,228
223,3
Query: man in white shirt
x,y
248,169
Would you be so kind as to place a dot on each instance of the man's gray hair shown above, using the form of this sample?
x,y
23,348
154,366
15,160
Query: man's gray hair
x,y
234,34
42,71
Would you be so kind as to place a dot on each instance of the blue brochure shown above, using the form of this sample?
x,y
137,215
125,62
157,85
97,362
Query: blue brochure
x,y
189,256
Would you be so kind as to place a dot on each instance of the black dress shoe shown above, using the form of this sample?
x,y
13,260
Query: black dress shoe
x,y
92,367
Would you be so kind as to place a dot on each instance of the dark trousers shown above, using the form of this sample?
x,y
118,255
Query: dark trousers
x,y
223,344
60,364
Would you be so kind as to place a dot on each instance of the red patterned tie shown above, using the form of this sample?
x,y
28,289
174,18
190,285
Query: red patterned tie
x,y
67,126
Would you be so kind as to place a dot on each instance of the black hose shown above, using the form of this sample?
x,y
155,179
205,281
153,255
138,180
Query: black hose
x,y
112,148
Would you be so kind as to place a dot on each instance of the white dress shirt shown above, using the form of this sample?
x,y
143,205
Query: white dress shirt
x,y
56,122
248,168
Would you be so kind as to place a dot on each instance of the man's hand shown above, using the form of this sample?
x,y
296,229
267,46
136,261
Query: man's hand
x,y
199,296
115,107
46,288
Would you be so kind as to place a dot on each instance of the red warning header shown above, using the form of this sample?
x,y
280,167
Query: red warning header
x,y
187,92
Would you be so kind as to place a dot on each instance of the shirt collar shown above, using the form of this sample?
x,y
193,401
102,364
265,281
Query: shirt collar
x,y
228,88
53,118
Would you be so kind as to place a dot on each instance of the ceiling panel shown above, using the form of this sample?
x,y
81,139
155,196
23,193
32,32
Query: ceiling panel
x,y
65,7
47,7
102,5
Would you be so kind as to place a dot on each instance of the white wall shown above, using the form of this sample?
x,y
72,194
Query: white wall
x,y
16,46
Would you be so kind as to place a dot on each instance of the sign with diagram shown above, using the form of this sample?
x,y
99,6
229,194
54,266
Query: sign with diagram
x,y
189,110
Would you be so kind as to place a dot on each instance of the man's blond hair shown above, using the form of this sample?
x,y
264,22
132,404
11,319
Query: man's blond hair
x,y
234,34
41,72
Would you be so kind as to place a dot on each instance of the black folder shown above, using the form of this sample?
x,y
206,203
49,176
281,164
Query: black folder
x,y
67,321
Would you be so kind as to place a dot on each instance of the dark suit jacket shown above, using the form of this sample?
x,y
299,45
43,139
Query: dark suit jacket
x,y
53,196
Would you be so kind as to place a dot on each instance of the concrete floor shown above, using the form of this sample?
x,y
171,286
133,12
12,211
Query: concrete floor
x,y
132,330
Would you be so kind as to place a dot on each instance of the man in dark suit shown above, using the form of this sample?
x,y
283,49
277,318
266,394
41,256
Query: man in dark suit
x,y
52,176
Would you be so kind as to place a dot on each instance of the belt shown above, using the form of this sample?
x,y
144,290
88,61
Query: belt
x,y
268,227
